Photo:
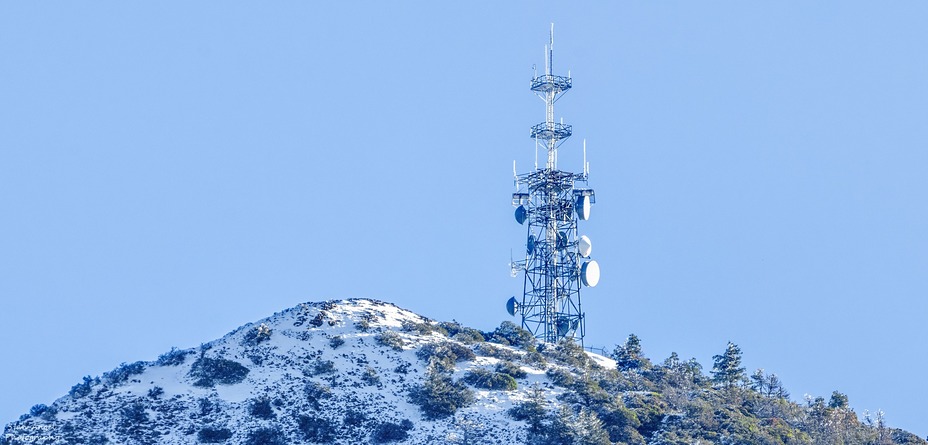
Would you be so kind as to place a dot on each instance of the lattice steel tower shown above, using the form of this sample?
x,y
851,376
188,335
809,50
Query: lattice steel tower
x,y
551,202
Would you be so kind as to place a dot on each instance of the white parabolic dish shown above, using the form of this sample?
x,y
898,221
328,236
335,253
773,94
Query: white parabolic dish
x,y
585,246
589,273
583,208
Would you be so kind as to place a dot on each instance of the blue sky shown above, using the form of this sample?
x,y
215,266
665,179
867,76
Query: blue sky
x,y
172,170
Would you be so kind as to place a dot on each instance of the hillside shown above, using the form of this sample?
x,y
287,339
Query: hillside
x,y
363,371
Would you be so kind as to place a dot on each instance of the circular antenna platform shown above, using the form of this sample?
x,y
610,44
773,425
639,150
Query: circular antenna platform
x,y
521,214
583,207
585,246
589,273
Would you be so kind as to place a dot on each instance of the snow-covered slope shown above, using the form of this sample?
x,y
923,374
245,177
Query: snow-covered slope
x,y
334,372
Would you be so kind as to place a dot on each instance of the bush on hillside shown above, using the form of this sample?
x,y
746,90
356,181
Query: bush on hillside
x,y
316,429
452,351
482,378
568,353
44,412
315,393
423,328
266,436
461,333
336,341
173,357
123,372
440,397
213,435
83,389
207,372
370,377
320,367
391,340
261,408
510,334
257,334
391,432
512,369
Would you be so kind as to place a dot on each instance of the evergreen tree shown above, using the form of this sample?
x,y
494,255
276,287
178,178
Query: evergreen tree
x,y
588,429
559,430
838,400
533,411
628,357
727,370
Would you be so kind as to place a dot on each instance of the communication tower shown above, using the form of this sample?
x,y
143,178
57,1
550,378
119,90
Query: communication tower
x,y
550,202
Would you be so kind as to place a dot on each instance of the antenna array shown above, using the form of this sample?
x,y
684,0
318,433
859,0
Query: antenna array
x,y
550,202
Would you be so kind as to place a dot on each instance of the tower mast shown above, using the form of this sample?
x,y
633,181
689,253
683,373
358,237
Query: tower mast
x,y
551,201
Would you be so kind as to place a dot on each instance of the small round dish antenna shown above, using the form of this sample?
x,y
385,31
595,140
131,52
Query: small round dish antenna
x,y
521,214
583,207
589,273
585,246
511,306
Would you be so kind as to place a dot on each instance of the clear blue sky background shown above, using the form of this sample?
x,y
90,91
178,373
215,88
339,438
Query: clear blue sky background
x,y
172,170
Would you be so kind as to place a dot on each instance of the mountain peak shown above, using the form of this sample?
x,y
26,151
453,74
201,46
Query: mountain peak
x,y
366,371
339,371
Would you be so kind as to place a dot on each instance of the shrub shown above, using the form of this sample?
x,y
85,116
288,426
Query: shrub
x,y
82,389
123,372
462,334
43,412
214,435
257,334
483,378
391,432
508,333
439,396
155,392
354,418
265,436
316,393
569,353
535,358
560,377
370,376
424,328
336,341
451,350
489,350
210,371
364,324
390,339
131,418
469,337
316,429
261,408
173,357
320,367
512,369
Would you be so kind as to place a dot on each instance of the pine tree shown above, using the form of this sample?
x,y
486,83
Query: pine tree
x,y
588,429
727,370
629,357
533,411
559,431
